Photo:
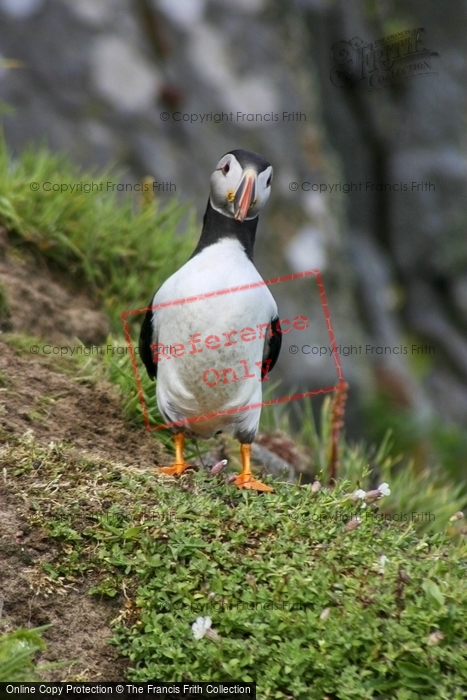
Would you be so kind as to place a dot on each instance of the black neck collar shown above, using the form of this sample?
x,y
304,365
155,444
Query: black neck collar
x,y
217,226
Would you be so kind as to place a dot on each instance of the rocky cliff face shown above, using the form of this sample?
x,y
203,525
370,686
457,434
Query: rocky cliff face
x,y
165,88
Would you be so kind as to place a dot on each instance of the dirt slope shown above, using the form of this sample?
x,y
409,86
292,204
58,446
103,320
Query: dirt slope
x,y
36,396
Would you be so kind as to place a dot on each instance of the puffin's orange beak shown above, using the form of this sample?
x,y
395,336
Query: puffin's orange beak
x,y
245,194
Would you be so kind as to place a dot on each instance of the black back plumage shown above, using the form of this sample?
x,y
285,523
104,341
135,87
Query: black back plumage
x,y
272,348
145,342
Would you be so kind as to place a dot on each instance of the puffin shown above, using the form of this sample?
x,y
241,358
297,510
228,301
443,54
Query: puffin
x,y
212,332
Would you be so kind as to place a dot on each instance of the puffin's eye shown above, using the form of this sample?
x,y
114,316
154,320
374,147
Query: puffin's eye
x,y
269,181
226,168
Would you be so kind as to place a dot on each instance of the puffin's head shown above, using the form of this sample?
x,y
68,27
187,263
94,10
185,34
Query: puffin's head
x,y
241,184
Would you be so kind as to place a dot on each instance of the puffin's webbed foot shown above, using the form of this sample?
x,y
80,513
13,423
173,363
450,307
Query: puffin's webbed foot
x,y
174,470
246,480
179,465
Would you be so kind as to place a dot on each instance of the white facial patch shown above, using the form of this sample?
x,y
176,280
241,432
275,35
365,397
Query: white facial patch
x,y
224,183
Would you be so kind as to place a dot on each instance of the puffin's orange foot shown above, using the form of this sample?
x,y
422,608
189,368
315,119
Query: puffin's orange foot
x,y
175,470
246,481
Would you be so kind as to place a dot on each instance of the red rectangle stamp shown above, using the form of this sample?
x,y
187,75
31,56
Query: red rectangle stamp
x,y
219,369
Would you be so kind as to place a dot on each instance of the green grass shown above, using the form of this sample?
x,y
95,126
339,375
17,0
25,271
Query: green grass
x,y
301,602
118,247
427,445
17,650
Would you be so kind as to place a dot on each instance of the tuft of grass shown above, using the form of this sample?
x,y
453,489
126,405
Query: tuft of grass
x,y
97,237
298,594
119,370
17,651
425,444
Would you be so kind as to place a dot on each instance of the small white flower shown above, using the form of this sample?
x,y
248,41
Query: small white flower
x,y
363,505
384,489
359,493
383,560
201,626
435,638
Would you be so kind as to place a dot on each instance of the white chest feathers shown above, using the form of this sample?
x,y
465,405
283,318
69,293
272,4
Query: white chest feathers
x,y
209,339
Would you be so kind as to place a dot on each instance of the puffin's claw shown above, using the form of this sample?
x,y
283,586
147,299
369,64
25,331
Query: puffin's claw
x,y
174,470
247,481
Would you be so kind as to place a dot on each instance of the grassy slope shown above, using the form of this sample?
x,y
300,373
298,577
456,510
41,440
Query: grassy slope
x,y
173,550
96,237
302,603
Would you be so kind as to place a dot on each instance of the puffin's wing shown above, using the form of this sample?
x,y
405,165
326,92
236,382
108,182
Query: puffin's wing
x,y
147,337
272,347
